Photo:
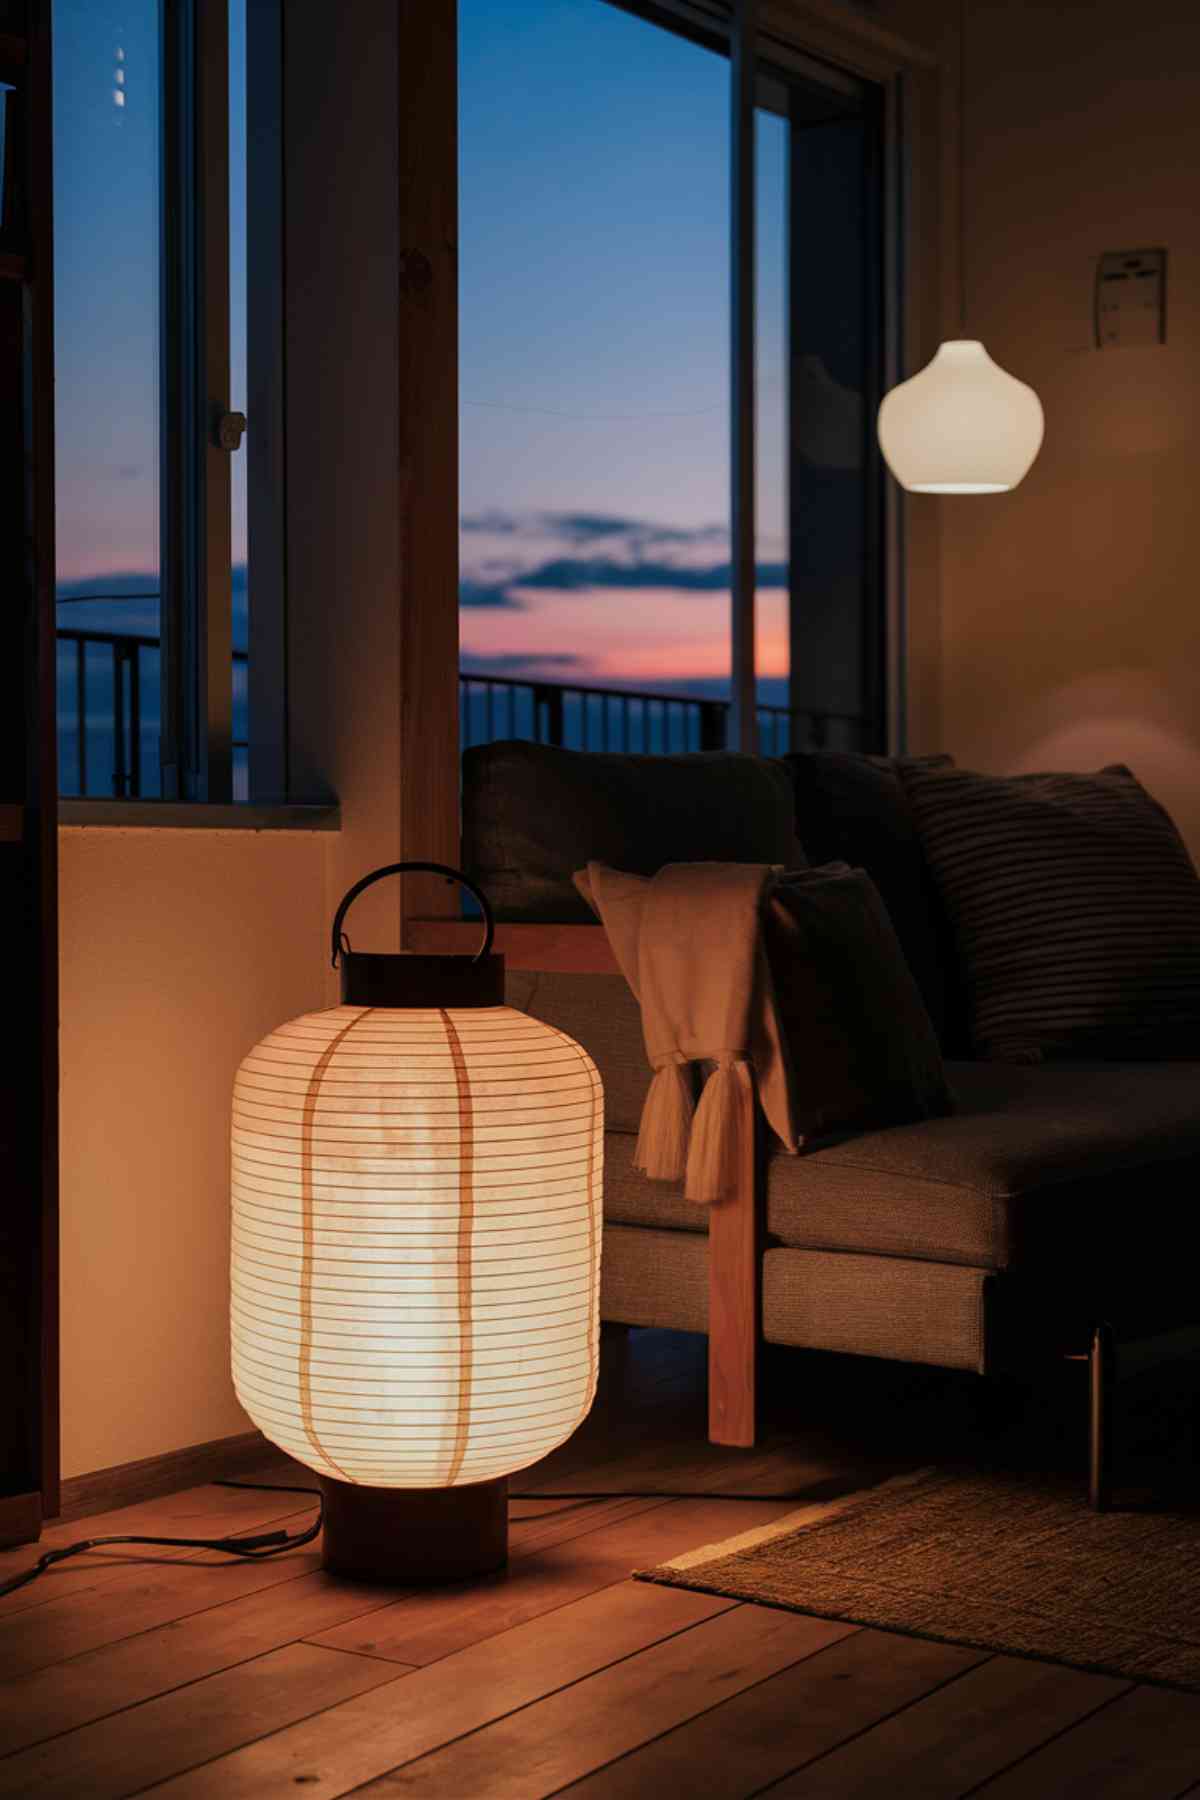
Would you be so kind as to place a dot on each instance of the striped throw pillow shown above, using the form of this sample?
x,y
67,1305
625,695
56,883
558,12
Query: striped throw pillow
x,y
1075,909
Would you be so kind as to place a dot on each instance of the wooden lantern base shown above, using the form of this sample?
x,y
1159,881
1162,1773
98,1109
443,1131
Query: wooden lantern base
x,y
414,1536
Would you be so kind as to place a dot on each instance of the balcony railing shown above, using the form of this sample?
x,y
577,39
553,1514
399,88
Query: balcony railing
x,y
108,739
594,718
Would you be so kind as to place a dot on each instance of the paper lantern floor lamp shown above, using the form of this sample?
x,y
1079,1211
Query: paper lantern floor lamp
x,y
416,1180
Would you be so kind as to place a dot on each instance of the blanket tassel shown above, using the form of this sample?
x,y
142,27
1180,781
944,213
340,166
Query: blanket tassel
x,y
662,1144
721,1134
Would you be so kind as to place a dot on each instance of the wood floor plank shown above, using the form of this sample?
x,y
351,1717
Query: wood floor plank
x,y
766,1732
121,1755
535,1752
88,1685
958,1736
139,1596
1144,1746
141,1600
421,1628
353,1743
84,1688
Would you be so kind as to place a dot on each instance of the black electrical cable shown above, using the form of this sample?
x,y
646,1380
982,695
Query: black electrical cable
x,y
664,1494
274,1543
261,1544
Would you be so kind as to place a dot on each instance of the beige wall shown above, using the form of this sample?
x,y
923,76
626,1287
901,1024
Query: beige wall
x,y
1070,611
179,949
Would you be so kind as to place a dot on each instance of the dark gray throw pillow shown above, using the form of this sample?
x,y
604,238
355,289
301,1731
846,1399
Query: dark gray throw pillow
x,y
863,1048
852,807
1076,912
533,814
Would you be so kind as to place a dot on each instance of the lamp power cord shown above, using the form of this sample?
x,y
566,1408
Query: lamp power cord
x,y
265,1544
247,1549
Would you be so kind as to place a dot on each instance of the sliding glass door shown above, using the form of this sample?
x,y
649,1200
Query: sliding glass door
x,y
599,378
594,426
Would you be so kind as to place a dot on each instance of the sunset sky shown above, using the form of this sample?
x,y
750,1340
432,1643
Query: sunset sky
x,y
594,335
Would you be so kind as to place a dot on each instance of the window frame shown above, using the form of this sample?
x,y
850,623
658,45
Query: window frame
x,y
198,434
196,605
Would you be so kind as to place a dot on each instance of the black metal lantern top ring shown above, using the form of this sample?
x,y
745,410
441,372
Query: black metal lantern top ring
x,y
379,978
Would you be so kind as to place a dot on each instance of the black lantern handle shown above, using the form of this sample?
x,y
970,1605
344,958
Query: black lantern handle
x,y
341,943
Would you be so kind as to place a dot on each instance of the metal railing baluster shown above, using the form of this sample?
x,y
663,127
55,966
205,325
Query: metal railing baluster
x,y
81,714
135,723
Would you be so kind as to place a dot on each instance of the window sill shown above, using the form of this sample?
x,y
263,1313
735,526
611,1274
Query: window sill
x,y
196,815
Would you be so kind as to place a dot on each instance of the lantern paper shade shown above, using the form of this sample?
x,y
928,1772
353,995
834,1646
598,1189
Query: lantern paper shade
x,y
416,1241
962,425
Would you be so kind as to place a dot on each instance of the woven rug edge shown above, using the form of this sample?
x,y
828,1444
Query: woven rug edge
x,y
665,1575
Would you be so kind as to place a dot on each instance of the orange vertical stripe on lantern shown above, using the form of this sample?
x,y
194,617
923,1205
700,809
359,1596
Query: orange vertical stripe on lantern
x,y
416,1241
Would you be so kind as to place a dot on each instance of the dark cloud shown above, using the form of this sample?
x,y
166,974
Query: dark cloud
x,y
125,583
584,527
567,573
517,662
483,593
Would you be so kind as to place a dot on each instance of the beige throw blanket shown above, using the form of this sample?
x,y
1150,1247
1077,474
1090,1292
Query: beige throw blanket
x,y
689,941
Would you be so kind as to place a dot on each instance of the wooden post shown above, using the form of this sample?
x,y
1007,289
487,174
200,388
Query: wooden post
x,y
428,468
735,1306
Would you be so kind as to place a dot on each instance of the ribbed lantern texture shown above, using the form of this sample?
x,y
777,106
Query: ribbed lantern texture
x,y
416,1241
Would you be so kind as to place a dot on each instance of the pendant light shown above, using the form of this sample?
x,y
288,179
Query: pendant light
x,y
962,425
416,1251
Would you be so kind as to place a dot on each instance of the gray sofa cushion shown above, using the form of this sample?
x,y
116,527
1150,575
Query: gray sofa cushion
x,y
1041,1169
853,808
857,1305
532,815
1076,912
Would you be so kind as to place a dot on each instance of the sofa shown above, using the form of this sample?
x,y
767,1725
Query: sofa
x,y
1050,1213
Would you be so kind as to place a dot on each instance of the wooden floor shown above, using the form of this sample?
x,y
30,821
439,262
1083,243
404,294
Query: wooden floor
x,y
123,1672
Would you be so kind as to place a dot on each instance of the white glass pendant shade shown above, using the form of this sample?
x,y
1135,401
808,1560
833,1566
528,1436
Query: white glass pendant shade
x,y
416,1241
962,425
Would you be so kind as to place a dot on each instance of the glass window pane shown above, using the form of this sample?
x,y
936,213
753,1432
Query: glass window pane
x,y
594,333
106,237
771,649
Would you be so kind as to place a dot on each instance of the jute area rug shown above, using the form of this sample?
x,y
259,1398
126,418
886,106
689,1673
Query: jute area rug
x,y
995,1562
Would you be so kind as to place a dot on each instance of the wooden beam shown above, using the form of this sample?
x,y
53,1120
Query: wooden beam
x,y
735,1306
427,486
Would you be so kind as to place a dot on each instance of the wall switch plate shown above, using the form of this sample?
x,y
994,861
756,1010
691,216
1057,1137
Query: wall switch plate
x,y
1131,299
